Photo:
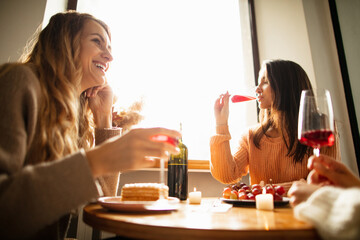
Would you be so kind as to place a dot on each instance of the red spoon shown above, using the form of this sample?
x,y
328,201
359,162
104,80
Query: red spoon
x,y
241,98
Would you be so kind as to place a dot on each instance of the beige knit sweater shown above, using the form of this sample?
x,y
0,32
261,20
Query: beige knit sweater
x,y
335,212
268,162
35,200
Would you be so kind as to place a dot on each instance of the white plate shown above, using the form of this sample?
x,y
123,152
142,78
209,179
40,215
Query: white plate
x,y
115,204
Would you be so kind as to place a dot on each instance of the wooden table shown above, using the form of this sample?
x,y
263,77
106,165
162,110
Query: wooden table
x,y
210,220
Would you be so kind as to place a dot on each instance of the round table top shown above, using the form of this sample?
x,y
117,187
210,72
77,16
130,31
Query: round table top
x,y
211,219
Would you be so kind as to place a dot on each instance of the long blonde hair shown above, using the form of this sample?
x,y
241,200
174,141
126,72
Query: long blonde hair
x,y
65,120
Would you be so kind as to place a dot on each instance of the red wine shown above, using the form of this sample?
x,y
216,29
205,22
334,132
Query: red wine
x,y
241,98
164,138
178,173
318,138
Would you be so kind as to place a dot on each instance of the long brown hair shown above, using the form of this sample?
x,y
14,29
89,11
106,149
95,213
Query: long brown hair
x,y
287,79
65,121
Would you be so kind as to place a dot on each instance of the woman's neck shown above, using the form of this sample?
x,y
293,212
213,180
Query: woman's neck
x,y
273,132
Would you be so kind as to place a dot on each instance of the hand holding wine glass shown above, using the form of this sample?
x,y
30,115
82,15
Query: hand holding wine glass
x,y
316,119
221,109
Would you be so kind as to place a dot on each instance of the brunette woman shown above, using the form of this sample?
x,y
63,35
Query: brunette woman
x,y
271,149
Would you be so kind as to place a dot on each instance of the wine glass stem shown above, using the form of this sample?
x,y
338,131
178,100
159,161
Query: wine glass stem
x,y
162,171
316,151
162,176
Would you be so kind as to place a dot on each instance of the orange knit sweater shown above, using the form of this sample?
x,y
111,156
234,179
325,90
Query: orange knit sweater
x,y
268,162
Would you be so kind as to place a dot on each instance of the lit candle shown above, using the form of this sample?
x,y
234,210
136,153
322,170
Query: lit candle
x,y
264,201
195,197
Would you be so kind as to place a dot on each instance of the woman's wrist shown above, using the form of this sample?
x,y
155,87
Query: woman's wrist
x,y
103,121
91,157
221,122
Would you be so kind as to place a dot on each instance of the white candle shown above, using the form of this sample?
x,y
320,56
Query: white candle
x,y
264,201
195,197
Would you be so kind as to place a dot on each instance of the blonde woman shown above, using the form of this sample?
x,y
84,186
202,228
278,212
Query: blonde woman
x,y
52,105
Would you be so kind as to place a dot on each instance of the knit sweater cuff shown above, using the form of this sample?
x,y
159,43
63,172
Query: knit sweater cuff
x,y
102,134
222,129
317,205
222,134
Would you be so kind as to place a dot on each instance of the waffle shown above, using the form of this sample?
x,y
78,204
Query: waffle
x,y
143,191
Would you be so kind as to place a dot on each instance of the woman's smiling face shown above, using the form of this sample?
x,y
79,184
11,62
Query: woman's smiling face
x,y
95,55
264,91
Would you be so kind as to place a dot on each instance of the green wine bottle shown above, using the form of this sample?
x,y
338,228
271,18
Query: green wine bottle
x,y
178,172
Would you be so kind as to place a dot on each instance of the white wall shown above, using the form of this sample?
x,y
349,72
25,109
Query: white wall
x,y
349,19
301,30
328,73
53,7
282,32
18,21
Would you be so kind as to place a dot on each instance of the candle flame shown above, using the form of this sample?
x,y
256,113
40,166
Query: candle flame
x,y
267,226
194,189
264,190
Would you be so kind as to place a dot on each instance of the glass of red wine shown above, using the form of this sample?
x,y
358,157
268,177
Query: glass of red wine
x,y
242,98
245,95
316,119
170,140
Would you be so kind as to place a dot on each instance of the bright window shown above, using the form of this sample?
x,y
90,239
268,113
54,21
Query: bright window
x,y
179,56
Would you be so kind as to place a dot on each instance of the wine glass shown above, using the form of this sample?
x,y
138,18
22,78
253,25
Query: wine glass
x,y
244,95
316,119
172,141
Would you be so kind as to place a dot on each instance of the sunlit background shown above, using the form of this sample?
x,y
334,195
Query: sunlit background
x,y
178,57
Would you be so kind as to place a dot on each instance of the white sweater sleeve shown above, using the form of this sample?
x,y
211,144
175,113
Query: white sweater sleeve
x,y
334,212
